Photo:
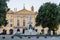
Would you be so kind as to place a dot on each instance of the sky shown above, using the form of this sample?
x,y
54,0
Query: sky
x,y
28,3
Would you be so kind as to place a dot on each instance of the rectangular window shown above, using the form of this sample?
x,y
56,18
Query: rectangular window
x,y
23,22
10,25
17,22
10,20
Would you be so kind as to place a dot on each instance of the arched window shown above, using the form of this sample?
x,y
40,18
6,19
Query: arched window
x,y
17,22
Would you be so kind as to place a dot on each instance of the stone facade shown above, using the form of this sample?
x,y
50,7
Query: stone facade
x,y
21,18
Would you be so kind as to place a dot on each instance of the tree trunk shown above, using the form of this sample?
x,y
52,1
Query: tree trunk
x,y
49,32
54,32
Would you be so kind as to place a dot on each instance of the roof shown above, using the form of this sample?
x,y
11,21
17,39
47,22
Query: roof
x,y
26,12
23,12
10,12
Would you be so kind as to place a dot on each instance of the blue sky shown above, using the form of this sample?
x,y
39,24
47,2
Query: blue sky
x,y
28,3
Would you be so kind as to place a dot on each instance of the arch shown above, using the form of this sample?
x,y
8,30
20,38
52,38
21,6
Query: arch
x,y
18,29
11,31
4,32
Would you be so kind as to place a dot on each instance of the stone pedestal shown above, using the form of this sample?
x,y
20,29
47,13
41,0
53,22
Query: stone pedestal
x,y
51,32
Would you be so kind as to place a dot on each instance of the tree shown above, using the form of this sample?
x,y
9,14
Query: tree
x,y
47,16
59,14
3,10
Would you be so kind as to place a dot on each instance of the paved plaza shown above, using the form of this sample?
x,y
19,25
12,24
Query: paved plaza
x,y
8,37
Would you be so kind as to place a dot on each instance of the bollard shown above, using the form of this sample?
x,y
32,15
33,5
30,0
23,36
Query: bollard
x,y
12,37
37,37
21,37
45,36
3,37
29,37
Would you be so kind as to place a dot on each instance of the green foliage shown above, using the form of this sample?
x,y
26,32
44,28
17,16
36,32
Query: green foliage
x,y
59,14
48,16
3,10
